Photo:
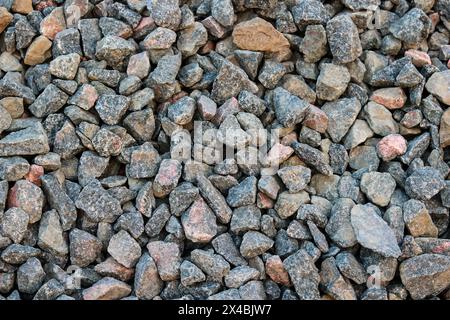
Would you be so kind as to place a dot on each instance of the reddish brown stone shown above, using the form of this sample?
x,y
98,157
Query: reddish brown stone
x,y
53,23
139,65
111,268
167,258
107,289
35,174
263,201
214,28
167,178
44,4
276,271
316,119
146,23
207,48
28,197
289,138
434,17
38,51
444,132
231,106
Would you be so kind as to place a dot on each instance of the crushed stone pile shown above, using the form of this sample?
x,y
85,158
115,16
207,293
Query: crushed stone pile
x,y
224,149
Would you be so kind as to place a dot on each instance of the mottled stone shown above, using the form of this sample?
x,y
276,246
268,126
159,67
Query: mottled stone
x,y
147,283
53,23
418,220
30,276
391,146
304,275
259,35
425,275
343,39
424,183
255,243
107,289
199,222
332,81
29,141
378,187
411,28
28,197
97,203
124,249
438,85
167,258
50,237
290,110
14,224
84,248
341,115
111,108
391,98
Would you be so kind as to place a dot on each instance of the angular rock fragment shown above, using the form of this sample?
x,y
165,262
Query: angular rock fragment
x,y
259,35
412,28
51,236
28,141
425,275
107,289
199,222
341,115
304,275
98,204
124,249
84,247
167,258
372,232
254,244
343,39
147,282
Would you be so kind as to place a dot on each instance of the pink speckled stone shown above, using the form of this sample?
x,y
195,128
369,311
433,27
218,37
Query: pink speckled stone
x,y
263,201
276,271
419,58
391,146
199,222
391,98
278,154
167,178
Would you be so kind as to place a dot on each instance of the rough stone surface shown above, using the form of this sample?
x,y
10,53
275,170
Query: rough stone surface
x,y
425,275
372,232
224,150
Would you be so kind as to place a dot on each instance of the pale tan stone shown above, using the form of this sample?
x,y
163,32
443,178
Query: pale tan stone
x,y
5,18
38,51
22,6
260,35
